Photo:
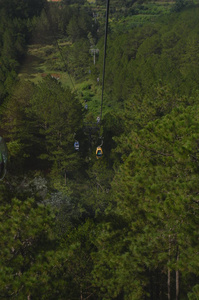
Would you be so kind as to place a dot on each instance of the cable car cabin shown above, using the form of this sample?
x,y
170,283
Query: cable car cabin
x,y
98,120
76,146
99,152
3,158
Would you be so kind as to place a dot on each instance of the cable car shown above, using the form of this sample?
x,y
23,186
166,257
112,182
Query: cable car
x,y
3,158
99,152
76,145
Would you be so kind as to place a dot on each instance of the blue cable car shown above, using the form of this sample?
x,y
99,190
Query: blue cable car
x,y
76,145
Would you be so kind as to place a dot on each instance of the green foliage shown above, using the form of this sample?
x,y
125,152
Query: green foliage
x,y
121,222
164,51
40,123
79,245
79,26
22,9
195,294
153,205
179,5
57,115
27,241
78,58
18,129
15,27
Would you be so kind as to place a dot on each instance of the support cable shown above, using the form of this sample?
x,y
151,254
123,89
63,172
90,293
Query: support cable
x,y
105,46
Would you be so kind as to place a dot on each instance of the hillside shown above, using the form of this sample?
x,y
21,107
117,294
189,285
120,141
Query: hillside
x,y
125,225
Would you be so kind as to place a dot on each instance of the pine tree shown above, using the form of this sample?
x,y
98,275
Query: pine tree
x,y
26,248
152,211
58,116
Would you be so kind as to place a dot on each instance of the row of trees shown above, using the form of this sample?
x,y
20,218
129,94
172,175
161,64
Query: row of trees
x,y
164,53
23,22
15,28
68,21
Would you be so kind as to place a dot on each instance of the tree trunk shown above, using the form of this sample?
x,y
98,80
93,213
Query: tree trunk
x,y
177,278
169,273
169,284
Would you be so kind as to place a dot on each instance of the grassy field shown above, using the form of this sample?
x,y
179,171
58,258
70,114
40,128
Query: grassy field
x,y
39,63
92,1
43,60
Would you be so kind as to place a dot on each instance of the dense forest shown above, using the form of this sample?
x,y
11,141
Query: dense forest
x,y
125,226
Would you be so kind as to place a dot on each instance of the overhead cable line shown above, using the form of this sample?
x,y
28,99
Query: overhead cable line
x,y
105,46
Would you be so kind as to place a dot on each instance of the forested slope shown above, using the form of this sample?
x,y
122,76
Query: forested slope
x,y
122,227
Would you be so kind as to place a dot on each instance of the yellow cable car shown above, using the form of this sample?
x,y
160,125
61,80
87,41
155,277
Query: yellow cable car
x,y
99,152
